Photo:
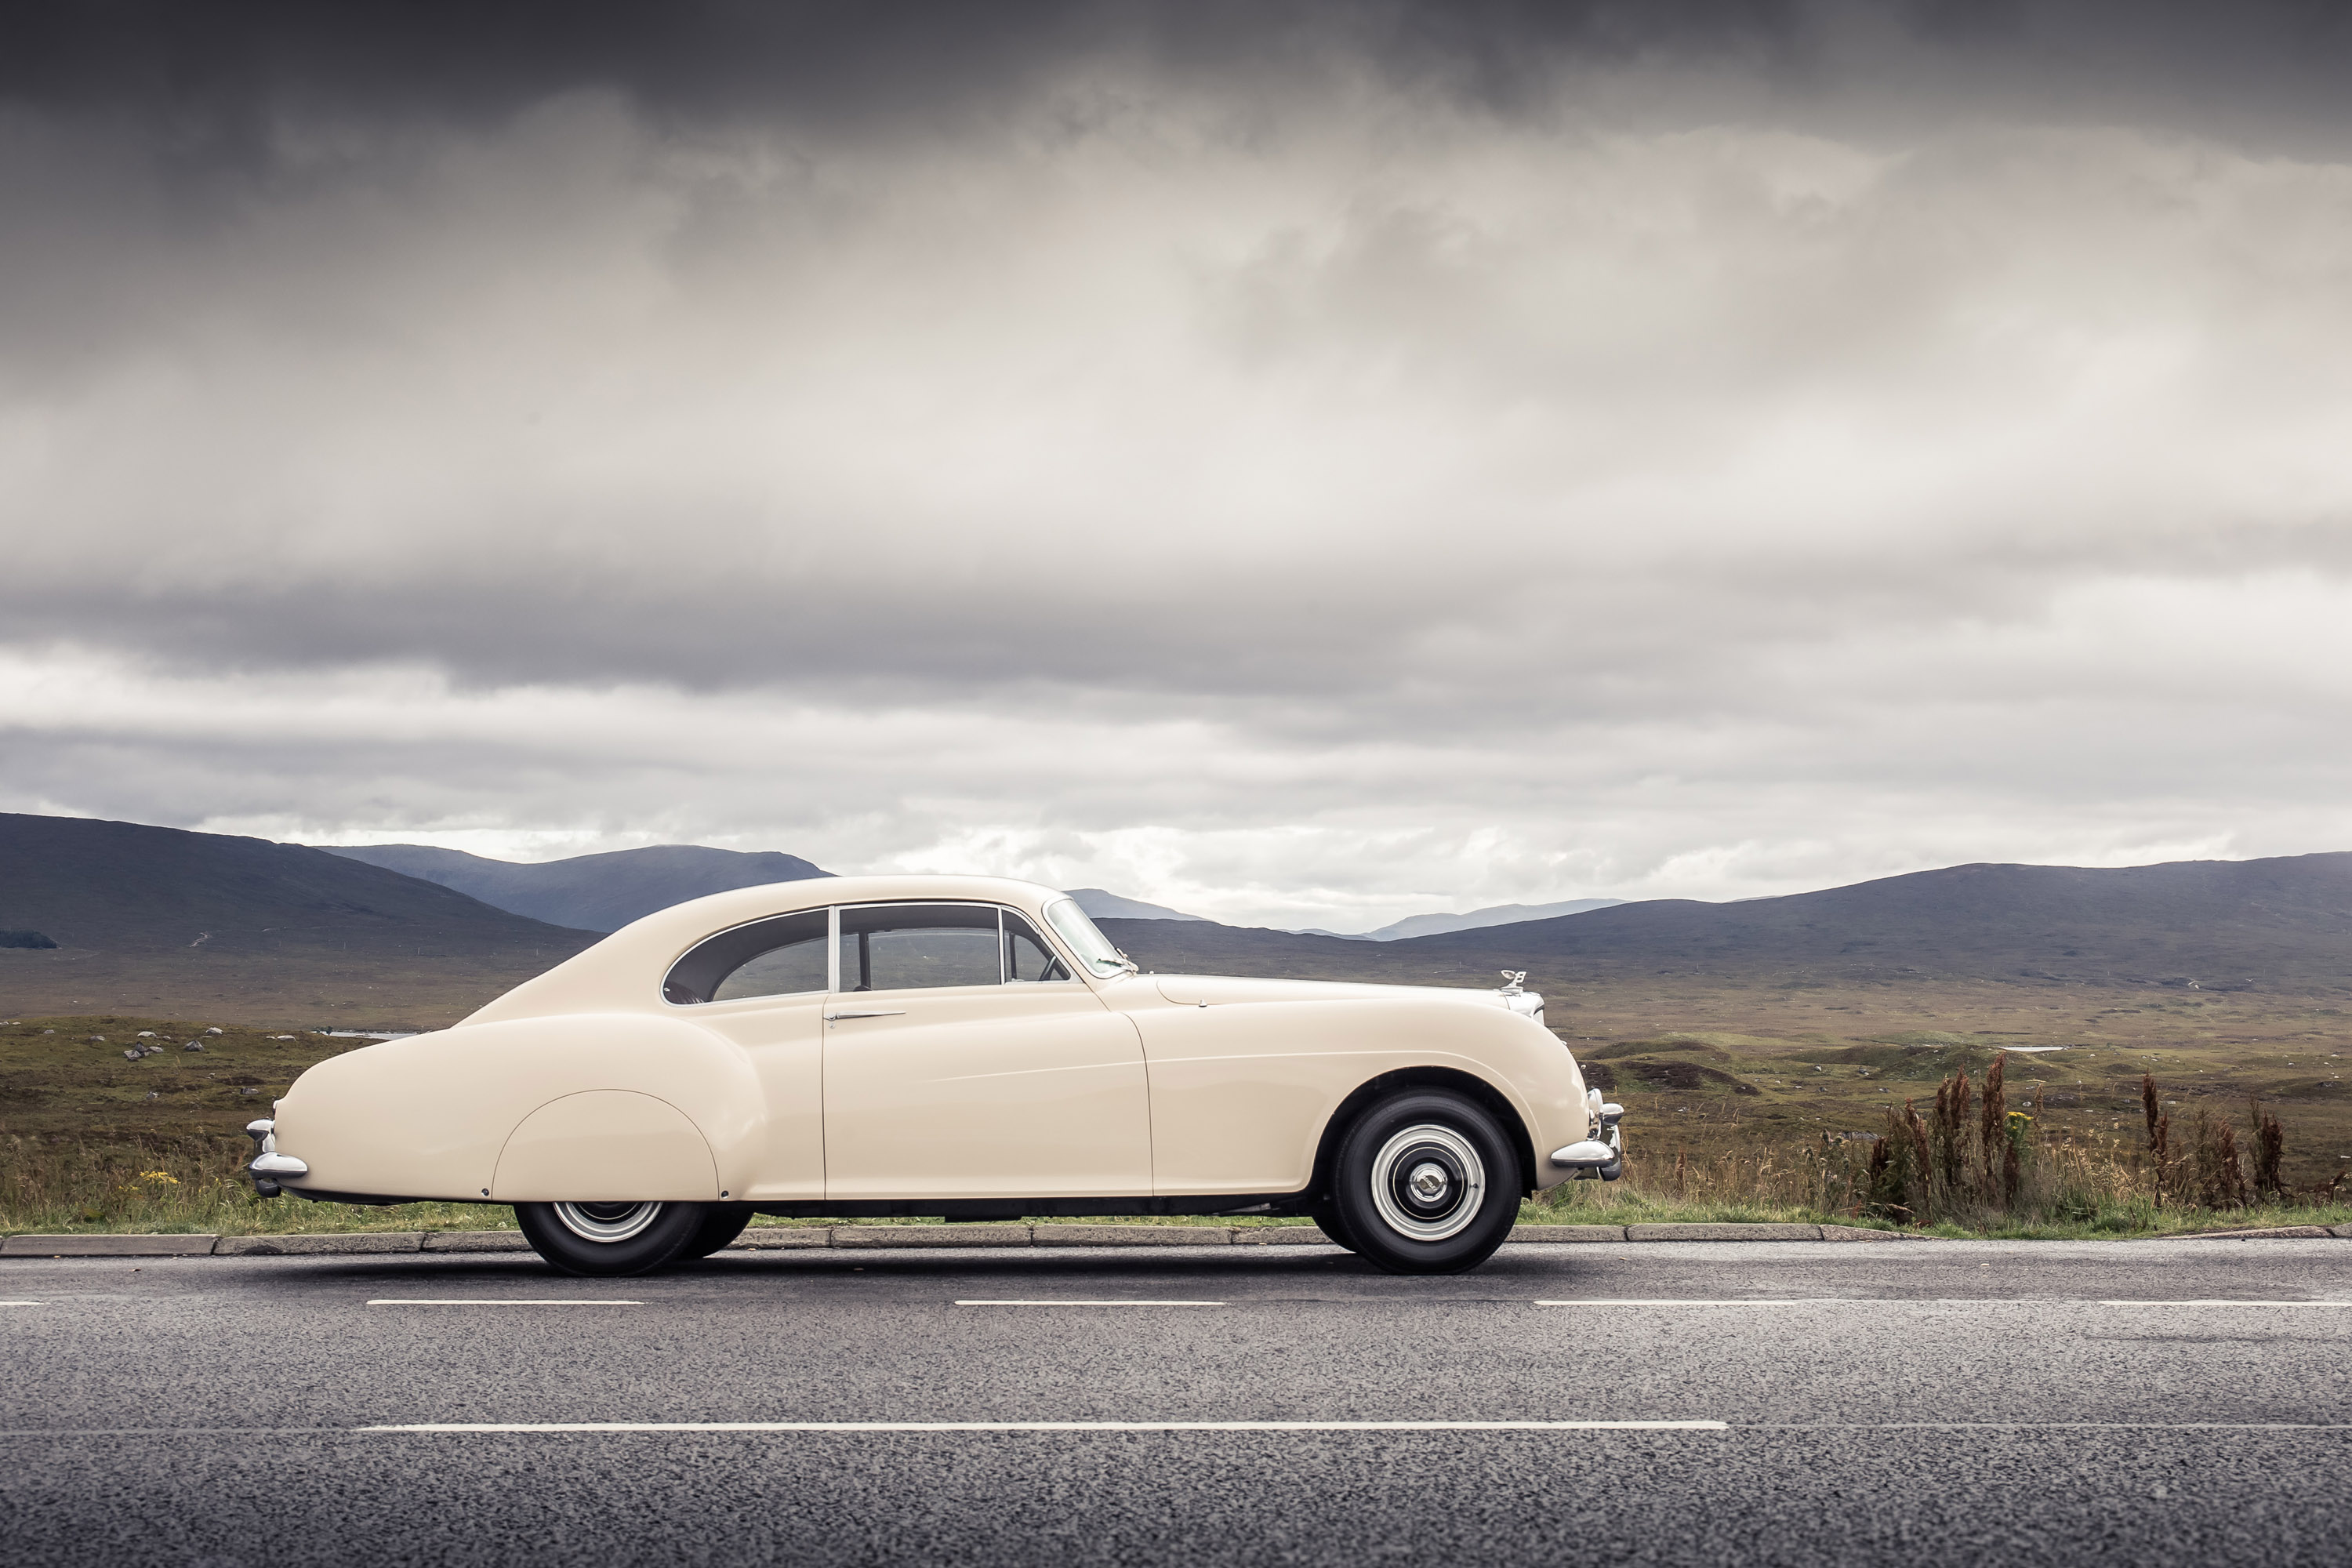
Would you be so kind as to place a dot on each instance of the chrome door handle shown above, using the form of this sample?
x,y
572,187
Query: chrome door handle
x,y
837,1017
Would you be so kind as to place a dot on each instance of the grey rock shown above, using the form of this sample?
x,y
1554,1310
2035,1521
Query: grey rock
x,y
133,1056
1131,1235
193,1045
931,1235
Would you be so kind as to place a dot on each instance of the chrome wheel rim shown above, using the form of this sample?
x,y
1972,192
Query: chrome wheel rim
x,y
607,1222
1428,1183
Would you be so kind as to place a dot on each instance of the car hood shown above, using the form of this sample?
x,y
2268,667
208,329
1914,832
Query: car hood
x,y
1207,989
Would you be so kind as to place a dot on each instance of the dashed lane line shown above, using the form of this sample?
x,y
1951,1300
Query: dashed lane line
x,y
2220,1301
852,1428
453,1426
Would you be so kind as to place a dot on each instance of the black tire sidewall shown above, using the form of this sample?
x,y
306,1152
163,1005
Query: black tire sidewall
x,y
1332,1223
721,1223
672,1231
1370,1236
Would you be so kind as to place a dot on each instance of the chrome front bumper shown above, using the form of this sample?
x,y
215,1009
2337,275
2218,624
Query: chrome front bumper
x,y
268,1165
1601,1156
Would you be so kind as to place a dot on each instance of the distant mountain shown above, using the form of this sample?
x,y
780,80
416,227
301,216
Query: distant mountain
x,y
2283,925
1492,915
594,892
1100,905
164,921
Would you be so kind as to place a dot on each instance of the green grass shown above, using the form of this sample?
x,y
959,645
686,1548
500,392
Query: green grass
x,y
92,1142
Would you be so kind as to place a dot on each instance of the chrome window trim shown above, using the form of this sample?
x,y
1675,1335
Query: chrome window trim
x,y
1075,972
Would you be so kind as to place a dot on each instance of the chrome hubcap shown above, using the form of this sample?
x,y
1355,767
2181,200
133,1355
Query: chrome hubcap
x,y
1428,1183
607,1222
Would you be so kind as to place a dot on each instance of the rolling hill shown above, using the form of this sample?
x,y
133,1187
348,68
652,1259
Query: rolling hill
x,y
589,892
1492,915
167,922
2279,925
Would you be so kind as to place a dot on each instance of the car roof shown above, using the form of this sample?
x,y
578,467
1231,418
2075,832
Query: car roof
x,y
624,972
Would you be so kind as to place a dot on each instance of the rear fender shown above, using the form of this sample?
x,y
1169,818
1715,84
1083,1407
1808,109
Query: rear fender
x,y
429,1117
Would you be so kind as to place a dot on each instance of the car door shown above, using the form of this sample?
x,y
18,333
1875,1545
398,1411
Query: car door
x,y
962,1060
764,985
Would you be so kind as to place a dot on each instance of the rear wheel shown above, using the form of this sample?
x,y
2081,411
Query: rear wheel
x,y
1425,1182
605,1238
721,1223
1326,1218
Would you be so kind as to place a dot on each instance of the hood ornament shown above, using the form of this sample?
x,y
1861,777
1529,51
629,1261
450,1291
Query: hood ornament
x,y
1514,981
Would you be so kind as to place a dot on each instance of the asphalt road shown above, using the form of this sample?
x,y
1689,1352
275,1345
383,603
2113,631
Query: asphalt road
x,y
1912,1403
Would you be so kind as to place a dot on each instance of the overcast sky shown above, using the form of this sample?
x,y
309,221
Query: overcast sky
x,y
1305,464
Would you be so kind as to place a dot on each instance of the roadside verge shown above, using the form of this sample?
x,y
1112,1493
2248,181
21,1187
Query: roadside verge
x,y
887,1237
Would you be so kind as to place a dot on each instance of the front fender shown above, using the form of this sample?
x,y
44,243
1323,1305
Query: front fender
x,y
1242,1092
427,1116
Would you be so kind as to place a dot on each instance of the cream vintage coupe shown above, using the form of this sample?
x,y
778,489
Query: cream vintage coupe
x,y
957,1045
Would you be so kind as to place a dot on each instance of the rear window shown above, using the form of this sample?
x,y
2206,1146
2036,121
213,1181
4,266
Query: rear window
x,y
775,957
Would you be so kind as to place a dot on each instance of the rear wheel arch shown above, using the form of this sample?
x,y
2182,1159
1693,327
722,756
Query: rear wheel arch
x,y
1478,1089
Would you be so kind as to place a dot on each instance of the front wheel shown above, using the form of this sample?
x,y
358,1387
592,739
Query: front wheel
x,y
1425,1182
610,1238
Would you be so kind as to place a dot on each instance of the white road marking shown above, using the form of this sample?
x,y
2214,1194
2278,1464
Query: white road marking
x,y
2226,1303
498,1302
19,1303
1056,1426
1083,1303
181,1433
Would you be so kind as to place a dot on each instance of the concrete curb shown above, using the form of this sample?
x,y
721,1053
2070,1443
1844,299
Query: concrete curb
x,y
341,1244
2273,1233
1723,1233
931,1235
107,1246
860,1238
475,1241
1563,1234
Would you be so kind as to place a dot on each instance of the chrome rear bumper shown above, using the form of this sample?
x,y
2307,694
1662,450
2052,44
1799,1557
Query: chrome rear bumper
x,y
268,1165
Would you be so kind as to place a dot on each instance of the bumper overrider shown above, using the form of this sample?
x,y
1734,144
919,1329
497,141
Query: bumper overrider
x,y
268,1166
1602,1155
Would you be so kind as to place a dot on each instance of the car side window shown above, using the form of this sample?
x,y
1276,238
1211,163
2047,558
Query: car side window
x,y
774,957
1026,956
902,947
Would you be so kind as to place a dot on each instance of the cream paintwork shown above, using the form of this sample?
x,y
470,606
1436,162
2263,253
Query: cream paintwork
x,y
997,1091
605,1144
1241,1093
782,1040
1130,1086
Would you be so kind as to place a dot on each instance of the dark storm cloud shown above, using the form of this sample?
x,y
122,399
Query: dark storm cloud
x,y
208,78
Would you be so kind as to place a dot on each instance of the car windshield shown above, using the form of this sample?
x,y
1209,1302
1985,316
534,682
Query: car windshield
x,y
1093,948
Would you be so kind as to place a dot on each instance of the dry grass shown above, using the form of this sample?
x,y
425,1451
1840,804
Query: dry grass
x,y
1968,1166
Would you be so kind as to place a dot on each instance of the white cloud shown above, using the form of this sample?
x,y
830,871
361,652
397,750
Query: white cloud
x,y
1310,514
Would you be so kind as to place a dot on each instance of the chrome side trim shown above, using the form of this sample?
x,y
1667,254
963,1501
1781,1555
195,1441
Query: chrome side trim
x,y
278,1166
